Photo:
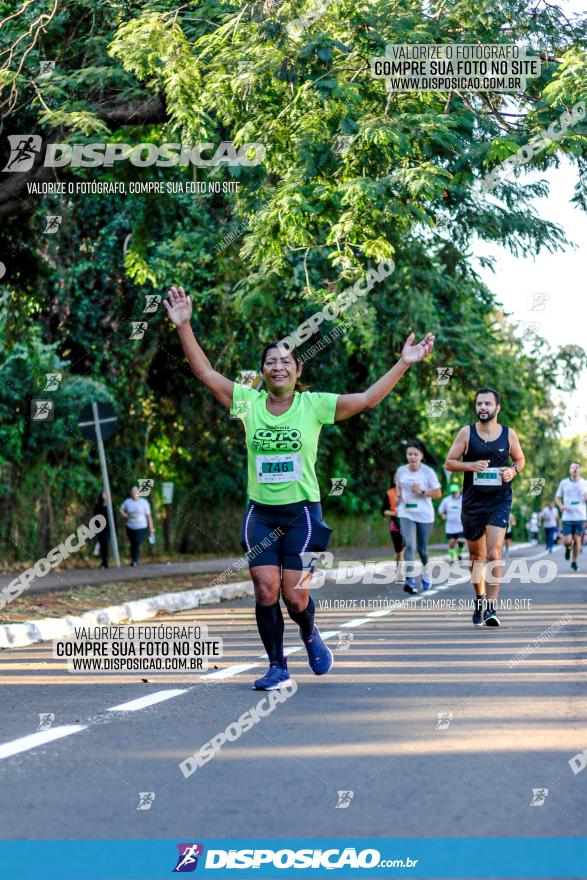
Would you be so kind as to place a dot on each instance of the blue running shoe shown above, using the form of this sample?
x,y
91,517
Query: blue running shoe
x,y
276,677
490,618
425,584
319,654
410,586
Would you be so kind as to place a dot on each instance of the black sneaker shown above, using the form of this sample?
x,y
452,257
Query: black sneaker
x,y
478,616
568,552
574,566
490,617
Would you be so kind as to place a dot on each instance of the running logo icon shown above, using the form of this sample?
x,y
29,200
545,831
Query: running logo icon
x,y
52,224
536,485
187,859
146,799
248,378
24,149
344,641
338,484
240,409
444,374
444,719
46,719
539,302
138,329
52,381
435,408
344,800
145,486
152,301
46,69
343,142
42,410
530,330
539,795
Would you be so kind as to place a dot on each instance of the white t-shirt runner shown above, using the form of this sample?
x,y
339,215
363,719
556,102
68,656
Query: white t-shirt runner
x,y
452,508
572,494
137,511
412,505
549,518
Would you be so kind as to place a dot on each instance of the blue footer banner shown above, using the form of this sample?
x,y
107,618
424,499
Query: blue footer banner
x,y
516,857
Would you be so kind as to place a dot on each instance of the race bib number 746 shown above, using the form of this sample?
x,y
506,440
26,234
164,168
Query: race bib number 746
x,y
278,468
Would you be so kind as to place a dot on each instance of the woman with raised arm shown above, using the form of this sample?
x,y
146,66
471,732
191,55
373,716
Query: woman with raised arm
x,y
283,526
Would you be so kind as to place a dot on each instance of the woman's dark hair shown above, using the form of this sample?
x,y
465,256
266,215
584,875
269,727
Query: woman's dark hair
x,y
427,457
295,355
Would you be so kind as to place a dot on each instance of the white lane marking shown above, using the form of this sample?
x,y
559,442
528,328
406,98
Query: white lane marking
x,y
230,670
38,739
381,613
430,592
358,621
149,700
329,633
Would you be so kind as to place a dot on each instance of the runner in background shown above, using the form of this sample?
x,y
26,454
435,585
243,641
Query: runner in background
x,y
512,521
139,520
450,511
389,509
483,451
570,497
549,516
534,529
417,484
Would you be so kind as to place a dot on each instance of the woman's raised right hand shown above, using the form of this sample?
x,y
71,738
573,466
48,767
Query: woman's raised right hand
x,y
178,305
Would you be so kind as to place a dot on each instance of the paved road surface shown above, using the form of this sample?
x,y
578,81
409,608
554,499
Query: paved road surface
x,y
370,727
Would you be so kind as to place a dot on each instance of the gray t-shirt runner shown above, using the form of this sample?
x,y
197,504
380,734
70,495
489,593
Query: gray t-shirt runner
x,y
137,511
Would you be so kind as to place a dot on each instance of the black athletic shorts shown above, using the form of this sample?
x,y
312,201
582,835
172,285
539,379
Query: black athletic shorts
x,y
456,535
493,513
278,534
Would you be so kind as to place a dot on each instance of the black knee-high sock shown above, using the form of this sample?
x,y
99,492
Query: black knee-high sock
x,y
271,626
305,618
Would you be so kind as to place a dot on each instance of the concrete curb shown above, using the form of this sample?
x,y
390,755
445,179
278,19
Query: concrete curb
x,y
19,635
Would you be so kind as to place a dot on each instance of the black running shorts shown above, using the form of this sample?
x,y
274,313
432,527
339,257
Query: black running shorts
x,y
476,519
286,535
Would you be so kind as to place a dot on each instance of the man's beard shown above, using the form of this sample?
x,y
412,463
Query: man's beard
x,y
486,417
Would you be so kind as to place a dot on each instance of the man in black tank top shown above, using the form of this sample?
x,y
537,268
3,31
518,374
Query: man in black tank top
x,y
483,451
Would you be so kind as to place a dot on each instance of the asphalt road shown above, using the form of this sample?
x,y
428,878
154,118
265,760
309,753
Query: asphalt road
x,y
371,727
